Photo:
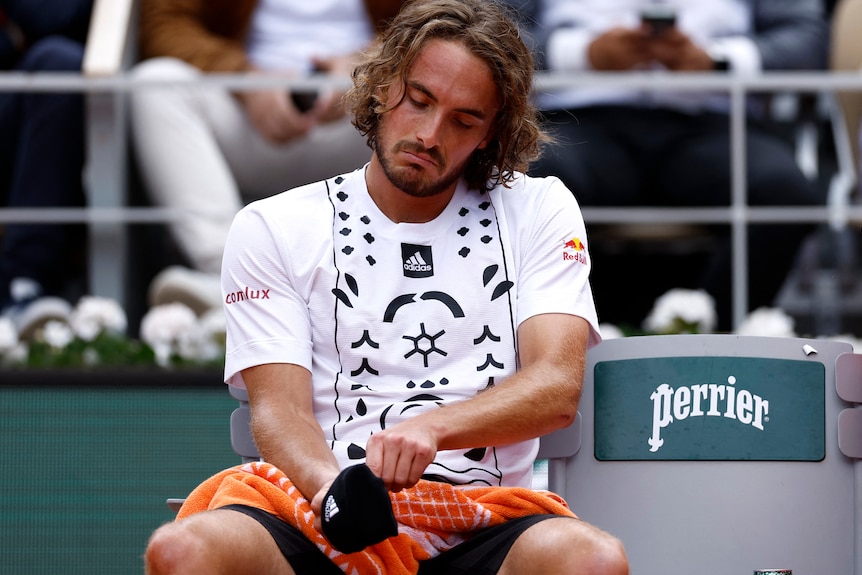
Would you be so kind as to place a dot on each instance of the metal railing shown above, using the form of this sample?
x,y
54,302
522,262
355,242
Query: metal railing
x,y
110,209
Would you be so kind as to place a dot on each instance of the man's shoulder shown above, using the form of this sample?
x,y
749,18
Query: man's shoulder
x,y
306,201
297,213
524,190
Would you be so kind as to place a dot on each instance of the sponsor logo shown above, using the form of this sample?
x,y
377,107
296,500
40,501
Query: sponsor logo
x,y
418,261
710,408
573,250
705,400
331,508
246,295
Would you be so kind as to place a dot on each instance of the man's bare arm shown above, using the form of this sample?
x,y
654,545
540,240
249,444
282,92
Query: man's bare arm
x,y
540,398
285,430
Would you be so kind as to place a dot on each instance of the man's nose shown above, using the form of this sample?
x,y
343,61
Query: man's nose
x,y
428,129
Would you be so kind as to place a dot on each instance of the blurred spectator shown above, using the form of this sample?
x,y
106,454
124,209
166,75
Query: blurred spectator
x,y
625,147
846,55
207,151
41,157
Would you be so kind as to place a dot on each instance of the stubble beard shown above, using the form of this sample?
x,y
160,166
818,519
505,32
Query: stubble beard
x,y
411,179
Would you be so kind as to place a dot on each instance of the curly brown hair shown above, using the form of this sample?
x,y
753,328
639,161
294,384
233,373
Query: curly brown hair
x,y
487,30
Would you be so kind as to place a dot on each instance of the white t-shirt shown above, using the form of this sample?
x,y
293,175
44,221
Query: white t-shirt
x,y
284,35
395,319
722,27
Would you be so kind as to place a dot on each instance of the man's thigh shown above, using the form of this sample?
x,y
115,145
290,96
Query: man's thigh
x,y
484,553
217,541
304,557
565,545
698,170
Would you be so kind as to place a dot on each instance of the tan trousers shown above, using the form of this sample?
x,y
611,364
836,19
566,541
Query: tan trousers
x,y
846,55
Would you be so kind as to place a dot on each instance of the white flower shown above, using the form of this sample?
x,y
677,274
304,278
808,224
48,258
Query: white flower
x,y
165,326
197,345
17,355
610,331
8,335
769,322
167,323
206,342
57,334
94,315
12,350
214,323
682,311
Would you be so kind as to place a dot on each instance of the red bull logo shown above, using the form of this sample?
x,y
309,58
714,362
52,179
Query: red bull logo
x,y
575,244
574,250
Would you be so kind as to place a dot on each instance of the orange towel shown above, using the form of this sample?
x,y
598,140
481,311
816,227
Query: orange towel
x,y
432,517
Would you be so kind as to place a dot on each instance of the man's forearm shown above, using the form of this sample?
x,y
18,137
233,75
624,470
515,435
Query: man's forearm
x,y
297,447
535,401
540,398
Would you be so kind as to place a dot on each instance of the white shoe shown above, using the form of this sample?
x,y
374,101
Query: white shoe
x,y
199,291
37,313
29,311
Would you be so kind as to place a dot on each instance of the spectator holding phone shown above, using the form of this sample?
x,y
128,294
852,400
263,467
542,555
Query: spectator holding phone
x,y
41,158
207,151
630,147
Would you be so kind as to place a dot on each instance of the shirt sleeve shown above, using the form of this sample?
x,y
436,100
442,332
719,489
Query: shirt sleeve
x,y
555,262
267,319
562,36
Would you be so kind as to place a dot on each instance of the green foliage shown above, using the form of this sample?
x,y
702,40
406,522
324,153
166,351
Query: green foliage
x,y
104,350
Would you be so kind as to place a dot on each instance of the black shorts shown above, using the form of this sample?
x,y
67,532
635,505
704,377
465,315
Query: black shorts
x,y
482,554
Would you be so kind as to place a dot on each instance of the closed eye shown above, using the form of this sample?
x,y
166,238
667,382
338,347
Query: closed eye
x,y
416,103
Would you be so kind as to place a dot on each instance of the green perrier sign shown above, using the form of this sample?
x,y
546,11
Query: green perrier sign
x,y
710,408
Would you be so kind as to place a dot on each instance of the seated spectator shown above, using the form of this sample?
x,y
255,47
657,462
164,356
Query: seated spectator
x,y
627,147
41,157
208,151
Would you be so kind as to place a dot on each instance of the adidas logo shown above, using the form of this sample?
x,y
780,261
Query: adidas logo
x,y
415,263
330,509
418,260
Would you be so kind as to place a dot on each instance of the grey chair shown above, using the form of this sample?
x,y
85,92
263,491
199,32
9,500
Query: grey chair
x,y
717,454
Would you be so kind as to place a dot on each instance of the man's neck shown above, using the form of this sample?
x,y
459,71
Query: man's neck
x,y
399,206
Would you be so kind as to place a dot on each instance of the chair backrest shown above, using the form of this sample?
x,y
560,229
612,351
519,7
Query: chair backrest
x,y
718,454
556,447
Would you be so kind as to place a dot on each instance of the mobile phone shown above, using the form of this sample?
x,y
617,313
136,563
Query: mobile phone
x,y
659,18
304,100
